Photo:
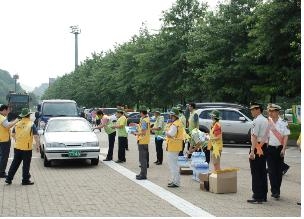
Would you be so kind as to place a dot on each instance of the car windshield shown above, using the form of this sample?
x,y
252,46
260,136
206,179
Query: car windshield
x,y
247,113
59,109
68,126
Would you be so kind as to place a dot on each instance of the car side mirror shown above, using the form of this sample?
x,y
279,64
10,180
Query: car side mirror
x,y
243,119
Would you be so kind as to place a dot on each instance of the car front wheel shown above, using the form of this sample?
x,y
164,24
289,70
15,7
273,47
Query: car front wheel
x,y
95,161
46,162
41,152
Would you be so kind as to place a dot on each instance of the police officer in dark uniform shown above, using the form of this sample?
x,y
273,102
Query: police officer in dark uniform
x,y
257,156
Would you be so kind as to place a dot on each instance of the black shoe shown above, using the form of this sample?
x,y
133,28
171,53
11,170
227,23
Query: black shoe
x,y
140,177
276,195
255,201
127,149
3,175
27,183
148,166
119,161
172,185
285,170
107,159
8,181
298,203
158,163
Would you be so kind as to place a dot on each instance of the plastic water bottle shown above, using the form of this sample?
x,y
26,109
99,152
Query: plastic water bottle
x,y
182,161
198,168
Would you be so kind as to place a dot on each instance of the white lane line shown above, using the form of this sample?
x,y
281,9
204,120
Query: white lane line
x,y
181,204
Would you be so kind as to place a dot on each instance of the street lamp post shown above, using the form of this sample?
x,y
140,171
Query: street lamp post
x,y
75,30
16,77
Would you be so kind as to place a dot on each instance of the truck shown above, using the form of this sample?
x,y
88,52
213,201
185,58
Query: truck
x,y
17,101
54,108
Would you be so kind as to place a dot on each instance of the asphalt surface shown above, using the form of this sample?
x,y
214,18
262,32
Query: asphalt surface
x,y
75,188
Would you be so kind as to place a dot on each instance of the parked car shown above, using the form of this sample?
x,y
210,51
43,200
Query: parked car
x,y
109,111
68,138
134,117
236,123
217,104
288,115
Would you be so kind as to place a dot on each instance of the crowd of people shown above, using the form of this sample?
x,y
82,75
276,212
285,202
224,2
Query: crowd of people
x,y
269,138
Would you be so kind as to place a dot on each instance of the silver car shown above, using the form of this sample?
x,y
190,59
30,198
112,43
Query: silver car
x,y
68,138
236,123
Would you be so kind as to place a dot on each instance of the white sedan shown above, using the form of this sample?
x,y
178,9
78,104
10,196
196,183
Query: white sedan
x,y
68,138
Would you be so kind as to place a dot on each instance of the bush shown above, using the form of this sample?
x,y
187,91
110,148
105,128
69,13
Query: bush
x,y
295,130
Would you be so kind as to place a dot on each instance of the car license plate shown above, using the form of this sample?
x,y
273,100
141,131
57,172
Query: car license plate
x,y
74,153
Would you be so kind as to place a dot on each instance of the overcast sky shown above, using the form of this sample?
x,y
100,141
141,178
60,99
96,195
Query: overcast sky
x,y
35,38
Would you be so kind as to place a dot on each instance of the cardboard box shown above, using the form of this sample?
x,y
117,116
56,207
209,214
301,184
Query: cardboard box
x,y
185,170
204,177
224,182
204,186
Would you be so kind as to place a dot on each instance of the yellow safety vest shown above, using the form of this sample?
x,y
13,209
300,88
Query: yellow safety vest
x,y
146,138
24,135
175,143
4,132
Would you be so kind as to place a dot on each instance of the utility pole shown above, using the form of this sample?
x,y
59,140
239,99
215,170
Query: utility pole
x,y
16,77
75,30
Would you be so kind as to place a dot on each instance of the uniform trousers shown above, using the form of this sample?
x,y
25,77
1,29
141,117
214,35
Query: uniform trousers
x,y
122,142
4,154
143,154
259,175
174,168
275,166
21,155
111,139
159,149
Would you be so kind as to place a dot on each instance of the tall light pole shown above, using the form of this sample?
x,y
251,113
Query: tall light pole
x,y
75,30
16,77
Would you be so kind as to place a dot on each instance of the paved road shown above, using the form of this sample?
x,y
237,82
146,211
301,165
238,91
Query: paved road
x,y
79,189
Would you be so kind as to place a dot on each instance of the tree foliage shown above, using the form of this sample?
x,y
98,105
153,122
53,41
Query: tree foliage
x,y
244,50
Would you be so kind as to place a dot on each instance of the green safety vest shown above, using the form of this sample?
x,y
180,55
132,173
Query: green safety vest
x,y
159,119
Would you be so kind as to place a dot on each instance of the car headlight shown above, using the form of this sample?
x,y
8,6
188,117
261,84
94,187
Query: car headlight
x,y
91,144
55,144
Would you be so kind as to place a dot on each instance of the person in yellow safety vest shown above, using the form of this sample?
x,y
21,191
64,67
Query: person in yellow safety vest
x,y
107,124
193,118
174,142
98,119
5,140
122,134
143,140
215,143
183,120
158,129
23,133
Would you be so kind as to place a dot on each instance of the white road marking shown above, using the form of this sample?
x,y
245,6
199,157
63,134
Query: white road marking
x,y
181,204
